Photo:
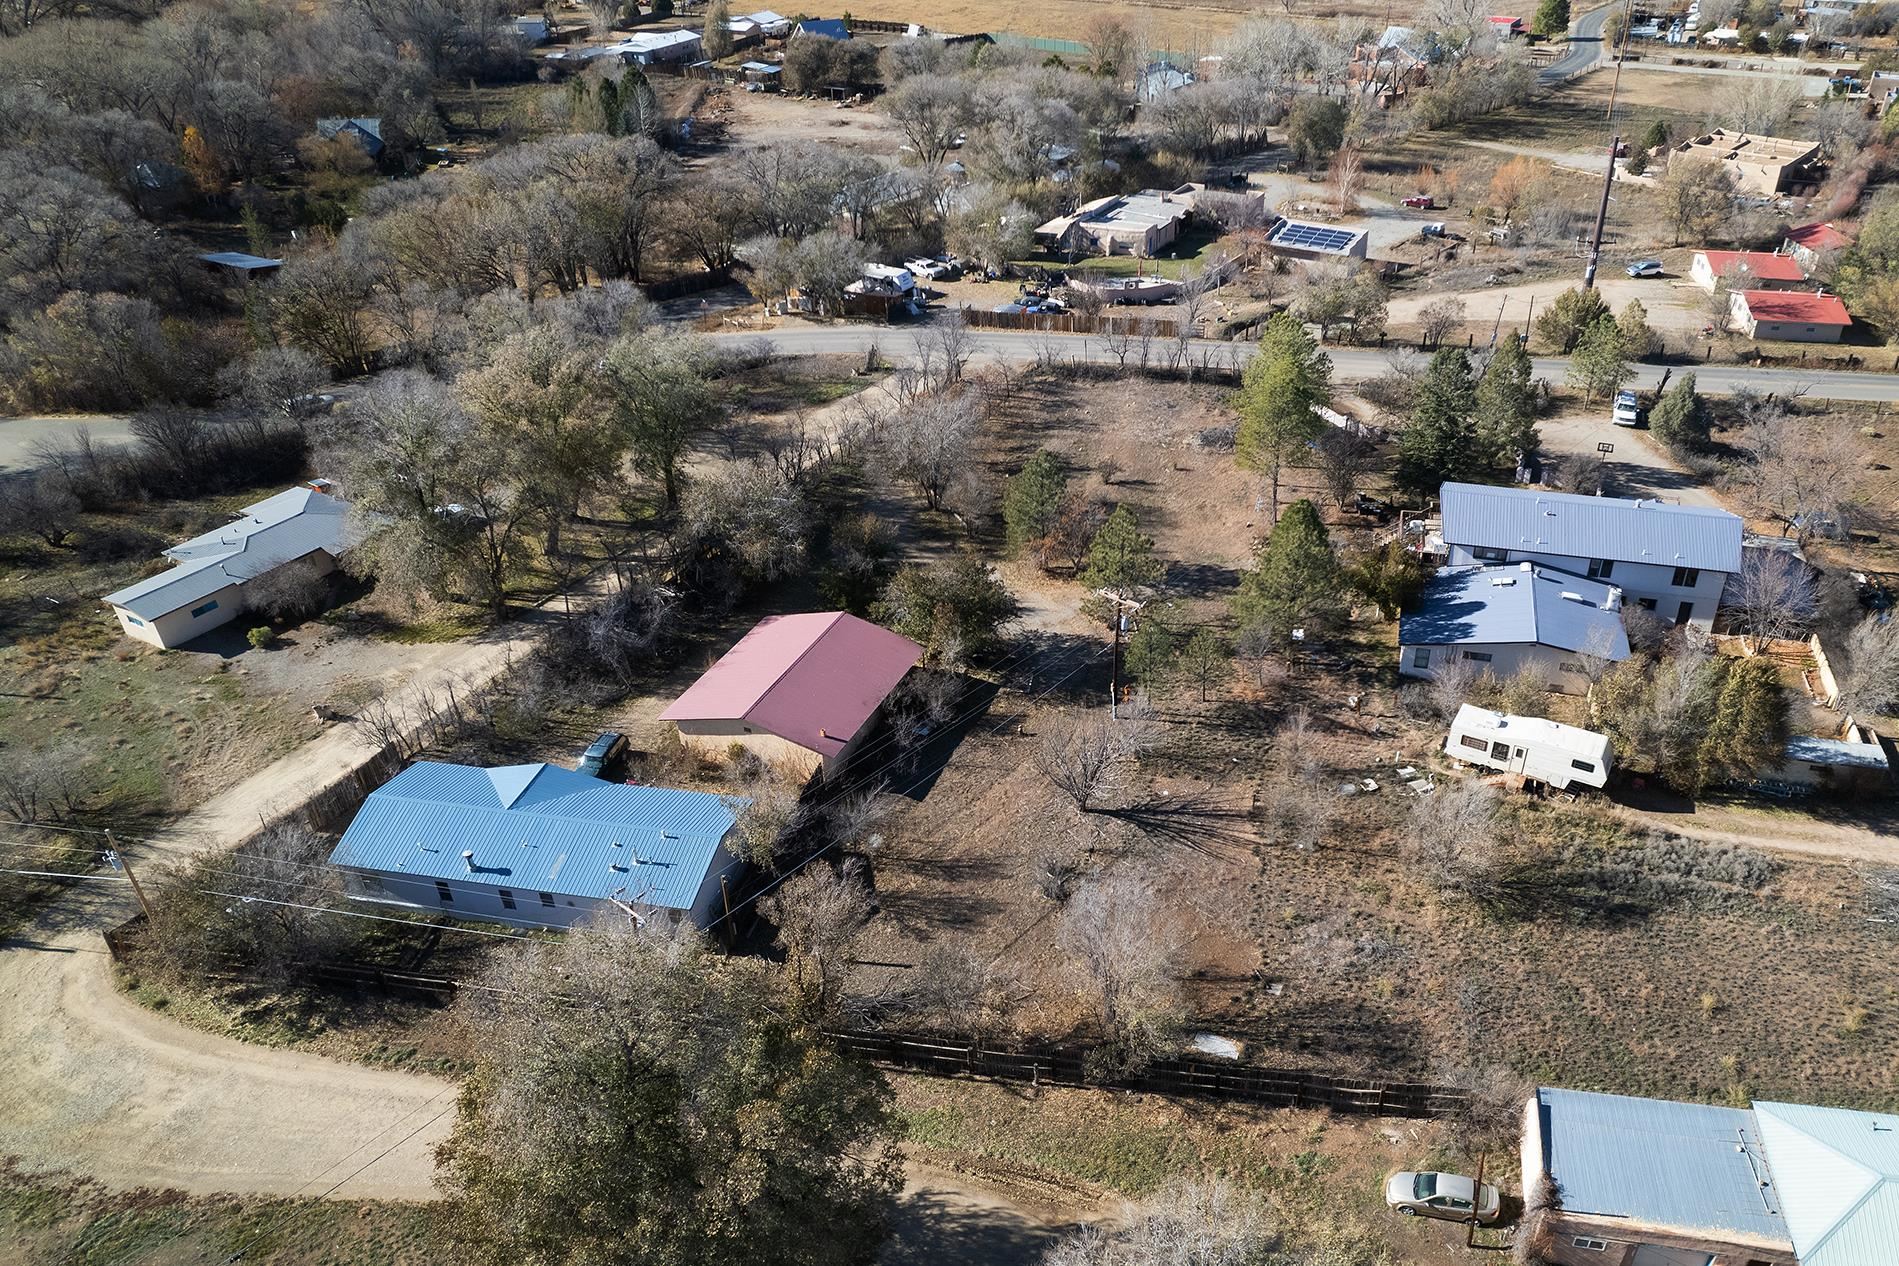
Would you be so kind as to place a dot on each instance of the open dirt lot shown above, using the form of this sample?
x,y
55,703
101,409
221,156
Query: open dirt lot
x,y
764,118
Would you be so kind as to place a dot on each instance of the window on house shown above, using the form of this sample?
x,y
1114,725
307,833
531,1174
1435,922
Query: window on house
x,y
1421,657
1474,743
507,898
1481,657
547,899
1490,554
1590,1241
1687,577
1601,568
1647,604
206,608
443,895
134,621
1583,765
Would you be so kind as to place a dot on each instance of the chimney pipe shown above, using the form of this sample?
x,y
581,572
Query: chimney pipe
x,y
468,859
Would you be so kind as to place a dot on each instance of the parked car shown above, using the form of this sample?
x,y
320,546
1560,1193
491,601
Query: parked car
x,y
935,269
1433,229
1628,409
1451,1197
1420,202
602,755
1645,268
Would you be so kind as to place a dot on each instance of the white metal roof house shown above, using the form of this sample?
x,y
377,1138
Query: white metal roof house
x,y
1548,752
204,586
538,846
1651,1182
1506,620
1673,560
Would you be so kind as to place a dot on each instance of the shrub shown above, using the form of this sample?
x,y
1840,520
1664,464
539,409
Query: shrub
x,y
260,637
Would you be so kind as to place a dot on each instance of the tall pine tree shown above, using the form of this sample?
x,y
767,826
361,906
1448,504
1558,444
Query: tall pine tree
x,y
1440,442
1296,582
1506,407
1680,418
1280,388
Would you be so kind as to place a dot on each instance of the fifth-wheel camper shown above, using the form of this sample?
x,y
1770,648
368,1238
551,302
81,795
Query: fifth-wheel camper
x,y
1554,754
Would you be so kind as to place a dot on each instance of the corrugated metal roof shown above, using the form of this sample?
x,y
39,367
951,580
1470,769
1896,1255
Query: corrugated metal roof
x,y
1641,531
1838,1175
268,534
539,828
1686,1166
1764,265
1792,306
1517,604
1836,752
812,679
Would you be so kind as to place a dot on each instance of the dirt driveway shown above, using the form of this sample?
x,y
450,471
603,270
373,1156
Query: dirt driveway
x,y
1675,306
1636,468
99,1085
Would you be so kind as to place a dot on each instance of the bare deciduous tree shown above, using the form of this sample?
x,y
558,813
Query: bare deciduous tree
x,y
819,913
1086,759
766,815
1774,597
1190,1222
930,443
1440,319
1869,673
296,589
1453,839
1116,929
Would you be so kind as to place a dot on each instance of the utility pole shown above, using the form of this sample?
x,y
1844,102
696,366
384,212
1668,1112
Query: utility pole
x,y
1615,143
118,861
1602,218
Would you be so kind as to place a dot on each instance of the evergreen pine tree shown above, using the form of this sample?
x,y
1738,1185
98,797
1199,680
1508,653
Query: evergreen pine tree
x,y
1296,581
1680,418
1505,416
1032,499
1279,390
1439,443
1600,363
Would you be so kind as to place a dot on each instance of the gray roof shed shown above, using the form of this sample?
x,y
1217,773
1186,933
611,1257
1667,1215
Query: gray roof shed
x,y
1639,531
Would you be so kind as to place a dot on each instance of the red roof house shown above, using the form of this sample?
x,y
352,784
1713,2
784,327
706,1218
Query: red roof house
x,y
1810,241
1755,270
1506,26
1790,315
797,689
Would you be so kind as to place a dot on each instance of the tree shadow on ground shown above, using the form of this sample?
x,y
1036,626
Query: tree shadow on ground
x,y
1196,822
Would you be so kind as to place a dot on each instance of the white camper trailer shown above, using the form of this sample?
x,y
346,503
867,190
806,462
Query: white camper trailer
x,y
1554,754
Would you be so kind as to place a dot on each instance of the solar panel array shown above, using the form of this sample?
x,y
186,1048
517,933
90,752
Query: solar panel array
x,y
1313,236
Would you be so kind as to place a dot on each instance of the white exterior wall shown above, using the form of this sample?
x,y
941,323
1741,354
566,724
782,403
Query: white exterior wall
x,y
180,626
483,900
1507,659
1788,332
1545,762
1654,581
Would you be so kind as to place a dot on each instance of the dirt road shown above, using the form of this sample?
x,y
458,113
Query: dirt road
x,y
100,1085
19,436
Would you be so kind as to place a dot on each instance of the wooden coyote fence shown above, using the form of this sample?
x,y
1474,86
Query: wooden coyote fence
x,y
1069,323
1201,1078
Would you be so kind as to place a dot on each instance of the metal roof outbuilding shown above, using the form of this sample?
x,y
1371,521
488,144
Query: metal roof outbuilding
x,y
1638,531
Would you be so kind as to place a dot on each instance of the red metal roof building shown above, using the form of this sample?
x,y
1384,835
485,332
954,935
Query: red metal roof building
x,y
1809,242
1791,316
798,689
1756,270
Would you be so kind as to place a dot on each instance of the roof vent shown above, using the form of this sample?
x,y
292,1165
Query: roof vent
x,y
468,859
1502,581
1524,566
1571,596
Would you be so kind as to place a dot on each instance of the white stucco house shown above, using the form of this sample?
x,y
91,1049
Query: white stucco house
x,y
204,586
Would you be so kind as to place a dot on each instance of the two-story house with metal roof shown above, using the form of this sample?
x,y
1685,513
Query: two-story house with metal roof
x,y
1674,560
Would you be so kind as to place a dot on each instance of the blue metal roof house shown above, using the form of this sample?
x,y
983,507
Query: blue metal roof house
x,y
1650,1182
828,28
1507,619
537,846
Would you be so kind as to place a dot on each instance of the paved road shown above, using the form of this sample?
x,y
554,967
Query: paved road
x,y
1351,364
1585,48
18,436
